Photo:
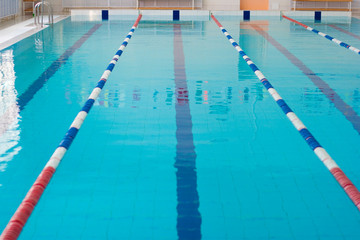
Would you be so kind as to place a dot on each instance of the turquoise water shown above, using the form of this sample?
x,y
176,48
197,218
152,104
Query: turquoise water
x,y
255,177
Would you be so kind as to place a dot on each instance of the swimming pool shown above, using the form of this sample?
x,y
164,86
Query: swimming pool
x,y
183,140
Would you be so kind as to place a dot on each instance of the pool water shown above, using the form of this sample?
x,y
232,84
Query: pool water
x,y
183,141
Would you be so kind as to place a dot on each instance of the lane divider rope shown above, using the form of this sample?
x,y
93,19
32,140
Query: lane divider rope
x,y
338,42
348,112
18,220
320,152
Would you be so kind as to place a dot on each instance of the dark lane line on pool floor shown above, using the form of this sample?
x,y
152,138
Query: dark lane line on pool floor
x,y
344,31
343,107
189,218
12,112
25,98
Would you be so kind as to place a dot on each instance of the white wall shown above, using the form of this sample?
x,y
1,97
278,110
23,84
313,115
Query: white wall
x,y
280,4
57,5
356,3
286,4
235,4
221,4
20,7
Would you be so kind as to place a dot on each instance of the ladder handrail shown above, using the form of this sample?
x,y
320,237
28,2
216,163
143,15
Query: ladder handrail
x,y
37,12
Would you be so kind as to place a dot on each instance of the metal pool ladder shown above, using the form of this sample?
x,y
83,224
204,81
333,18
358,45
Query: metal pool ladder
x,y
39,12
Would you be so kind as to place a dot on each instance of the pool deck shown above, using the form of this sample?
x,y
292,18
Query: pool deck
x,y
16,29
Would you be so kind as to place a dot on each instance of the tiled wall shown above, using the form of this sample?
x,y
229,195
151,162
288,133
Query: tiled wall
x,y
8,8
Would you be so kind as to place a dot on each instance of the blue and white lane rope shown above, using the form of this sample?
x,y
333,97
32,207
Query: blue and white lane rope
x,y
320,152
338,42
78,121
18,220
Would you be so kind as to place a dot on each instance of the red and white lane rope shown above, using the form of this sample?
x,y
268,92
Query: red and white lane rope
x,y
338,42
18,220
339,175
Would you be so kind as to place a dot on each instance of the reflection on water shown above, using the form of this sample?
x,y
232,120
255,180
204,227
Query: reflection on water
x,y
218,102
112,97
356,99
119,97
39,45
315,95
42,37
169,96
9,111
246,95
136,97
